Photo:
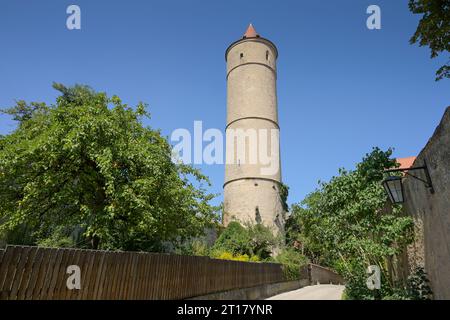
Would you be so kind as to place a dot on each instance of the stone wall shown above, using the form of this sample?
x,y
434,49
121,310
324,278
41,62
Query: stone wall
x,y
431,212
310,274
256,293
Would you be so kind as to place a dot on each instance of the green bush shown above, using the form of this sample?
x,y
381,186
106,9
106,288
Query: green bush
x,y
225,255
58,238
20,235
418,285
234,239
63,242
252,240
292,262
262,240
194,247
416,288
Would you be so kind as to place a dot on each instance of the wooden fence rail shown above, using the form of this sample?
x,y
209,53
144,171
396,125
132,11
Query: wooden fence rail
x,y
41,273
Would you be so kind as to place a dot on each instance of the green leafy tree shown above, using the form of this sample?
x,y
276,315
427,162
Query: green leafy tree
x,y
345,223
293,229
296,237
88,162
433,29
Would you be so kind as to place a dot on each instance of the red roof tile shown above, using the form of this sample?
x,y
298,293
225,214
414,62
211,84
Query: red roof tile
x,y
405,163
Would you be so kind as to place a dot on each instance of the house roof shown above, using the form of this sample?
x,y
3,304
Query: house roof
x,y
406,163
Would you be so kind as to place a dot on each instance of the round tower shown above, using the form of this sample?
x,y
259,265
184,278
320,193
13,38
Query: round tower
x,y
253,169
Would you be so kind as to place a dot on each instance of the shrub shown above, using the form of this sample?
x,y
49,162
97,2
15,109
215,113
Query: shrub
x,y
262,240
64,242
416,288
418,285
292,261
234,239
193,247
225,255
252,240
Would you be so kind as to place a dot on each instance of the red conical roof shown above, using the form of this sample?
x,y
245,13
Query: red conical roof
x,y
251,32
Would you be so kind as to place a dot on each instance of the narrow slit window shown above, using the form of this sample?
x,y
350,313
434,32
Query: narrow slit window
x,y
242,55
258,218
267,55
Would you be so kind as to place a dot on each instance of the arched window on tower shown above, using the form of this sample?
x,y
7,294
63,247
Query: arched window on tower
x,y
267,55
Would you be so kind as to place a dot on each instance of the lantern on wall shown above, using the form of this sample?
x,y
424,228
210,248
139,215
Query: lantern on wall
x,y
394,188
393,185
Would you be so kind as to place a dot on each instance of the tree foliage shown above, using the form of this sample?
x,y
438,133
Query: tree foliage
x,y
89,162
344,224
433,29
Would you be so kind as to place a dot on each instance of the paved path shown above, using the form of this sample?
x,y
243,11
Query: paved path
x,y
319,292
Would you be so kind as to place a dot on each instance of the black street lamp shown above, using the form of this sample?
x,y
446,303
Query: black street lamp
x,y
394,187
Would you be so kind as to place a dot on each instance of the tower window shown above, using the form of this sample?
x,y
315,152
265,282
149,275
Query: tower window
x,y
256,184
258,218
242,55
267,55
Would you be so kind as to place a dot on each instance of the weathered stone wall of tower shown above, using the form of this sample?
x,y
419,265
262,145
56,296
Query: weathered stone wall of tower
x,y
251,81
251,192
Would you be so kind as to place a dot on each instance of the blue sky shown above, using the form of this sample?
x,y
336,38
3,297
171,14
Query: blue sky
x,y
342,88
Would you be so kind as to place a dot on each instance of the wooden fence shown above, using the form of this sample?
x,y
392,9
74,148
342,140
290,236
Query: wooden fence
x,y
41,273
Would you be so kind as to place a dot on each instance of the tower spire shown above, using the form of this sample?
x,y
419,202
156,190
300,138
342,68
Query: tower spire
x,y
251,32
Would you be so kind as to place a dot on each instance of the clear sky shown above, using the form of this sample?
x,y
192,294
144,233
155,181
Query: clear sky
x,y
342,88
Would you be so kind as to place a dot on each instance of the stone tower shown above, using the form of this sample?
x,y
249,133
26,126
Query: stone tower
x,y
252,184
